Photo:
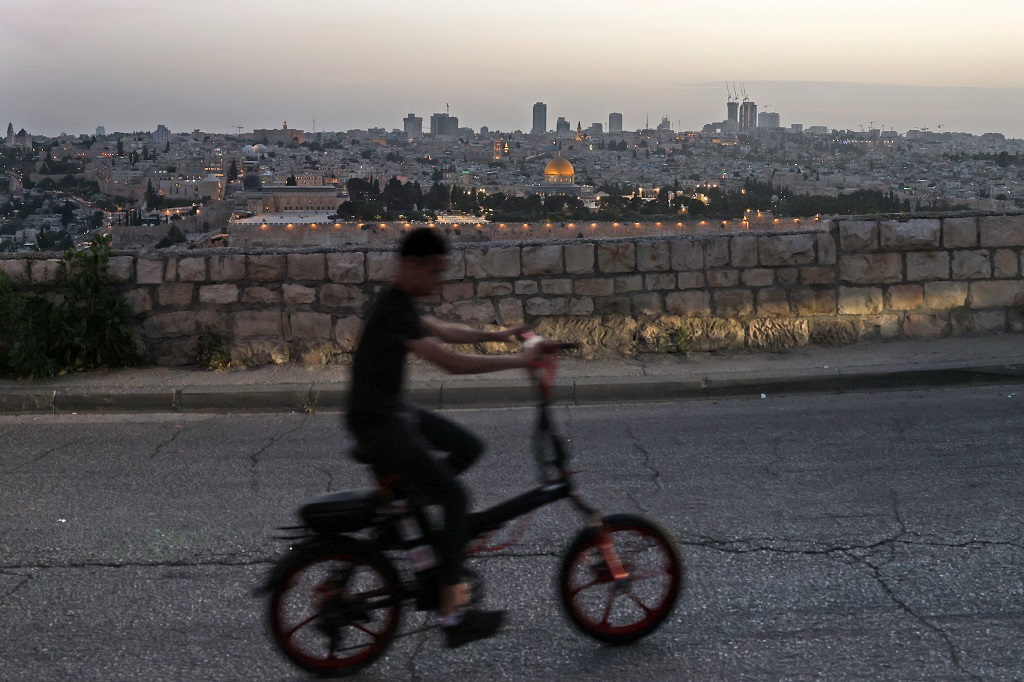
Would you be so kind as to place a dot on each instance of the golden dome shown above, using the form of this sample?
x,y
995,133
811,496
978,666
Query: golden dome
x,y
559,167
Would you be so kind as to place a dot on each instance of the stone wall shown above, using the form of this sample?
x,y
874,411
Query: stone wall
x,y
846,281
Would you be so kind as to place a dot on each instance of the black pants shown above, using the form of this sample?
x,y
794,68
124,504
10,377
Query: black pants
x,y
402,446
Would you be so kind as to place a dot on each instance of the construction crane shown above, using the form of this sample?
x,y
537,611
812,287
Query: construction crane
x,y
238,128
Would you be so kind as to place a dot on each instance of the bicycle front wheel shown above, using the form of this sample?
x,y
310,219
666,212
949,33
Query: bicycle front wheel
x,y
336,609
620,610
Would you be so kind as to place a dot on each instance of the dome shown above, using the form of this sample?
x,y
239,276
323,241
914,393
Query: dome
x,y
261,148
249,150
559,167
252,181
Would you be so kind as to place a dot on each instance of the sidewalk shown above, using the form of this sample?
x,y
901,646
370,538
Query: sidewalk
x,y
959,361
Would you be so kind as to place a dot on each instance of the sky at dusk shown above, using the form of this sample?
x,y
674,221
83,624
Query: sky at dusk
x,y
70,65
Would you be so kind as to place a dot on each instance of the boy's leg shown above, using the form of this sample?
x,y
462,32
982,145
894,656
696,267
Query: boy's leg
x,y
463,447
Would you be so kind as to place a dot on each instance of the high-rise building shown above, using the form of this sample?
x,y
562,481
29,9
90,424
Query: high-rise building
x,y
596,128
748,115
733,107
562,126
540,119
769,119
162,135
443,125
614,122
413,126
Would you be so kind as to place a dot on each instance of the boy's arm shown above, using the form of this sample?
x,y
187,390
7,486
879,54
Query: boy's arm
x,y
452,332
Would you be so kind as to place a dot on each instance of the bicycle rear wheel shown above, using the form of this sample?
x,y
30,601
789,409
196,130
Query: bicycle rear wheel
x,y
621,611
336,608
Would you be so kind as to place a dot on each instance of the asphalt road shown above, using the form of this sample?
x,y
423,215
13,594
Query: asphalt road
x,y
875,536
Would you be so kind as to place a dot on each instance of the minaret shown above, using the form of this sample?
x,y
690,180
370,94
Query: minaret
x,y
10,134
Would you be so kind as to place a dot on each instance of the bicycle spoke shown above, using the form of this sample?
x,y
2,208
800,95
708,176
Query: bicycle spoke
x,y
639,602
608,608
301,625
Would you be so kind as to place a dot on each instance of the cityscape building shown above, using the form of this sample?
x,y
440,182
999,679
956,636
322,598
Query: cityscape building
x,y
562,126
162,135
101,131
413,126
444,125
614,122
560,180
540,119
748,115
769,119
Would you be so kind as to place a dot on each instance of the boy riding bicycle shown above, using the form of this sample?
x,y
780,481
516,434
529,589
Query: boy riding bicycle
x,y
399,439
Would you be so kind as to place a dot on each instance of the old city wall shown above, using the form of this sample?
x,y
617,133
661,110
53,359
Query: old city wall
x,y
846,281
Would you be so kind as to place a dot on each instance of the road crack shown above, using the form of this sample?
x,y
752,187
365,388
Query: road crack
x,y
255,457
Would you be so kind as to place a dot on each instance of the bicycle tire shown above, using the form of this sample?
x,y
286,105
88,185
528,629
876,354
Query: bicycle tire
x,y
339,597
621,612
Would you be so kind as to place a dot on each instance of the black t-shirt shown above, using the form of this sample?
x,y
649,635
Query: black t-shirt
x,y
378,369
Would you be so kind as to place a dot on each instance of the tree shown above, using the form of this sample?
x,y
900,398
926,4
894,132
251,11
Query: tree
x,y
291,181
232,171
67,213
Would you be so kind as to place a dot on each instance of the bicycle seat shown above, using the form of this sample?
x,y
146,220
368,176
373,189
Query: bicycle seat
x,y
341,512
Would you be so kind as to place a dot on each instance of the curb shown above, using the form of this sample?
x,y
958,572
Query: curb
x,y
484,393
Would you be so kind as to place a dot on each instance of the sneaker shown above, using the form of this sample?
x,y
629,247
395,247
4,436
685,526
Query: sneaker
x,y
475,624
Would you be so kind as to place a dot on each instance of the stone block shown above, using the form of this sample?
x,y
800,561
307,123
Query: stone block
x,y
723,278
260,295
999,294
773,302
510,311
488,289
777,334
648,304
526,287
119,269
913,235
757,277
687,255
860,300
732,303
832,332
653,256
706,335
456,270
616,257
306,267
494,262
148,271
920,326
171,270
44,271
579,259
543,260
594,287
218,294
879,327
945,295
265,268
138,300
965,322
743,251
928,265
971,265
226,268
256,351
826,249
346,268
16,270
347,331
557,287
342,296
904,297
1005,263
457,291
612,305
876,268
858,236
1004,230
691,280
296,294
660,281
625,285
688,303
175,293
192,269
381,266
716,252
540,307
787,249
807,301
310,326
960,233
179,323
257,323
818,274
787,276
581,306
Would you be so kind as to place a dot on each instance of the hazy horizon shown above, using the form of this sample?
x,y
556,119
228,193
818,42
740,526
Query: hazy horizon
x,y
69,66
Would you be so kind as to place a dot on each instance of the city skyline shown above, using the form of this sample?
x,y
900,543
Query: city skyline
x,y
72,66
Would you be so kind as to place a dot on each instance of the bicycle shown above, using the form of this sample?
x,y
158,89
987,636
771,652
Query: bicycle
x,y
336,596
